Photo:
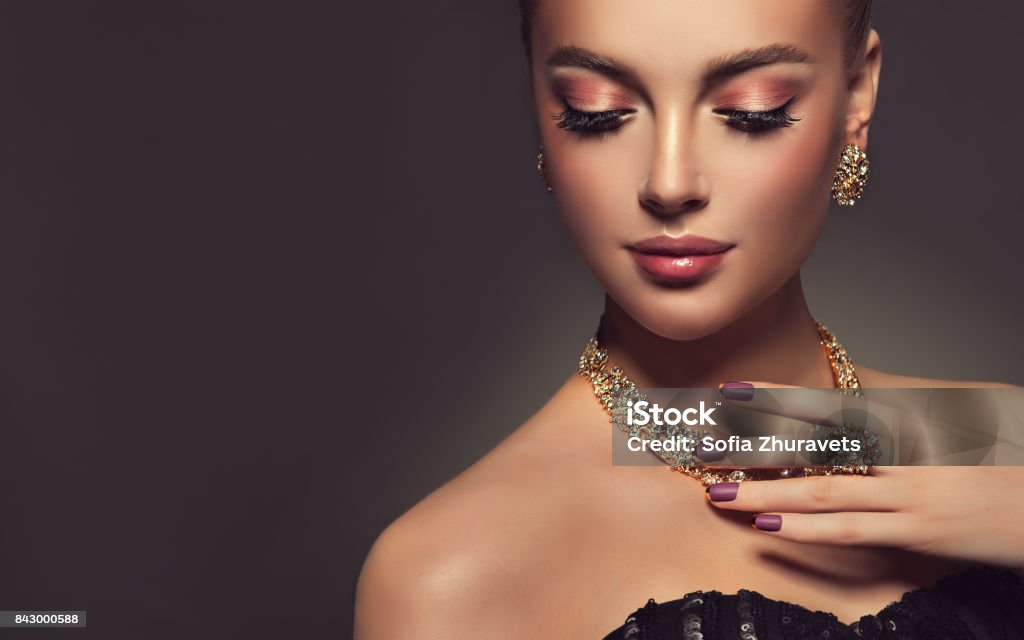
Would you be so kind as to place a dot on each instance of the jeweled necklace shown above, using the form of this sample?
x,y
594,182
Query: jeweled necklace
x,y
615,391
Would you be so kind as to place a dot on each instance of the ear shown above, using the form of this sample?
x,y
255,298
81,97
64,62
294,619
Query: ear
x,y
863,91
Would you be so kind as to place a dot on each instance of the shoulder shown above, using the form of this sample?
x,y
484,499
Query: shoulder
x,y
436,566
870,377
458,561
462,559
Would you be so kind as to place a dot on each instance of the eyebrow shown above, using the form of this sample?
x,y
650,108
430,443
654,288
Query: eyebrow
x,y
737,63
715,71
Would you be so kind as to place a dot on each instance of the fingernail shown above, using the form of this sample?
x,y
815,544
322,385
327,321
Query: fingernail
x,y
723,491
737,390
767,522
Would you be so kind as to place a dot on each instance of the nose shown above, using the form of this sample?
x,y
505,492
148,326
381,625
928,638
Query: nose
x,y
674,184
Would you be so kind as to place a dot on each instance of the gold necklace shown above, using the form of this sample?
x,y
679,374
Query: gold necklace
x,y
616,392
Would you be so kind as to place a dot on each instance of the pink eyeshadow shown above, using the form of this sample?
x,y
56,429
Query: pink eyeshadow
x,y
592,95
756,96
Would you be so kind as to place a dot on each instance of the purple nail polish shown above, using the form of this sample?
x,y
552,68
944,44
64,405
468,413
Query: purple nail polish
x,y
737,390
723,491
768,522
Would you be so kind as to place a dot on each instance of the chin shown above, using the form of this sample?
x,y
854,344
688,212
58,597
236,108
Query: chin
x,y
678,319
680,329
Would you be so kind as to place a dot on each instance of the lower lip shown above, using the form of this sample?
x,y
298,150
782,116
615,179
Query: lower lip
x,y
678,268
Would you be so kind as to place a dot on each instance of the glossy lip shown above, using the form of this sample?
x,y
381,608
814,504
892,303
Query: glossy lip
x,y
684,259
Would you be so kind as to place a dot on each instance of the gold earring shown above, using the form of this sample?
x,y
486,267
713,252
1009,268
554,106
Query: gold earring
x,y
542,169
851,176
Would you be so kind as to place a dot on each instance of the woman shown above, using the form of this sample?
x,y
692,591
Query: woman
x,y
692,148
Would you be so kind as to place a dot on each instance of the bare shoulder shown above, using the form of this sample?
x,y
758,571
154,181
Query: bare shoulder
x,y
870,377
456,563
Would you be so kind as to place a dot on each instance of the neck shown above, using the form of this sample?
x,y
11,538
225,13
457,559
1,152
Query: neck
x,y
774,342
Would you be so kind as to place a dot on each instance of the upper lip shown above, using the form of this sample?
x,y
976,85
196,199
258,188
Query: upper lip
x,y
688,245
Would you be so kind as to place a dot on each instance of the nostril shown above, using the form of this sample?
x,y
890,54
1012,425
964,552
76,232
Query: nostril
x,y
674,185
663,209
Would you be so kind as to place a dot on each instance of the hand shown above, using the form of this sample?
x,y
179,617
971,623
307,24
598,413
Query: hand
x,y
964,512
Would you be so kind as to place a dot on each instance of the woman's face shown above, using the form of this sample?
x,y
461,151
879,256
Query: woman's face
x,y
679,118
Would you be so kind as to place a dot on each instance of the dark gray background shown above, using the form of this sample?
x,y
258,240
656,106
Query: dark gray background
x,y
271,271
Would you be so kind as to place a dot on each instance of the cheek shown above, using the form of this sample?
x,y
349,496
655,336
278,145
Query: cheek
x,y
596,200
785,198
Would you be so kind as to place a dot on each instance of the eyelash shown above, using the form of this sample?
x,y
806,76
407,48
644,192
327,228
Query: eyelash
x,y
588,124
598,123
759,121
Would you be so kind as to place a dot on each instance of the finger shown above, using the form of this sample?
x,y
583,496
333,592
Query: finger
x,y
847,528
814,406
814,494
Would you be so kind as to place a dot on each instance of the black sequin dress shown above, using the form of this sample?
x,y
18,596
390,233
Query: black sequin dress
x,y
981,603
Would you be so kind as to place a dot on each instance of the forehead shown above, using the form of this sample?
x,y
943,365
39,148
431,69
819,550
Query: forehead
x,y
674,39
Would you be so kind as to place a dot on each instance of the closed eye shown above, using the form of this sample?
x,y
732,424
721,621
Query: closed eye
x,y
759,121
591,123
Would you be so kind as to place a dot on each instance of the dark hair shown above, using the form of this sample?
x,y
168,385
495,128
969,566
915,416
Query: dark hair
x,y
855,17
